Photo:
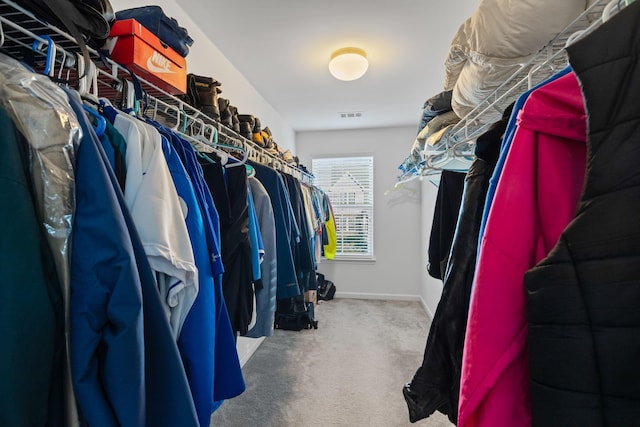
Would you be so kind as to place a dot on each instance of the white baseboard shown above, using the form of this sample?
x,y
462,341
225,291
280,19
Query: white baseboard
x,y
391,297
246,347
426,308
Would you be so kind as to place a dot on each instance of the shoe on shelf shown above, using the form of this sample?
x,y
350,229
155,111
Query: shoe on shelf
x,y
257,138
223,104
247,118
268,137
245,130
257,127
208,91
235,123
287,156
225,113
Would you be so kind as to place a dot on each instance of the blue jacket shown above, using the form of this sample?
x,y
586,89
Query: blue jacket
x,y
162,398
197,339
287,279
227,377
107,350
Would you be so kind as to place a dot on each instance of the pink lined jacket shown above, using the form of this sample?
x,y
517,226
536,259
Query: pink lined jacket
x,y
535,199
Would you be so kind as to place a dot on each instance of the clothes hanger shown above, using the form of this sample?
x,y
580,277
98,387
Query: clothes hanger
x,y
66,63
38,45
205,144
251,153
235,146
1,35
610,10
88,81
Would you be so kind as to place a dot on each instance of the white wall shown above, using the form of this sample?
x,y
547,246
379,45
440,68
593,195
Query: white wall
x,y
206,59
398,239
431,288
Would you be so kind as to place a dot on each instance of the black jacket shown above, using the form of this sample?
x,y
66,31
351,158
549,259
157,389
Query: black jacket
x,y
445,217
583,299
436,384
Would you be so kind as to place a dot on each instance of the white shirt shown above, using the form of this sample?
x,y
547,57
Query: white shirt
x,y
159,217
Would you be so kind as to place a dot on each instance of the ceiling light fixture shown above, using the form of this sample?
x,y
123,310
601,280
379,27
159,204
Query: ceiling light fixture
x,y
349,63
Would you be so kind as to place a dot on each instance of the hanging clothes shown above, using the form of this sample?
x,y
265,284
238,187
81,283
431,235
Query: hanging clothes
x,y
197,339
257,252
582,300
436,383
330,246
266,293
506,145
228,379
34,104
229,190
445,216
319,216
32,324
107,351
535,199
167,398
207,342
257,245
115,148
149,190
287,282
302,250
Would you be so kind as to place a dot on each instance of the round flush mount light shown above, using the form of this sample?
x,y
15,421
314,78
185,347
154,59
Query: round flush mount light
x,y
349,63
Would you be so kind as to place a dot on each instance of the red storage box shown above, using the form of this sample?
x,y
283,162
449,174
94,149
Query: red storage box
x,y
135,47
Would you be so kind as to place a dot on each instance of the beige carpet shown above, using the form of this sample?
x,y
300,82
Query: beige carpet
x,y
347,373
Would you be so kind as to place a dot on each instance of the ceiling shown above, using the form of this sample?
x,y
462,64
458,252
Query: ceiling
x,y
283,47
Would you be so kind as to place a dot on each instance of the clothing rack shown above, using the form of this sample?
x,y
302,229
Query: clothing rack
x,y
460,142
56,55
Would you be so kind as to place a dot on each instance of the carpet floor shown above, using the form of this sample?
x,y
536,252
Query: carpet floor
x,y
347,373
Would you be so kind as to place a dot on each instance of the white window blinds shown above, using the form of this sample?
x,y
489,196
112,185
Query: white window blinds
x,y
348,181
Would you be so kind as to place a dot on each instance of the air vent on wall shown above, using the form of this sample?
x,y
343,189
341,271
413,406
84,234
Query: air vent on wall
x,y
351,114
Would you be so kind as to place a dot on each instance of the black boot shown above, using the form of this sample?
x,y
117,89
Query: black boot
x,y
245,130
235,122
268,137
203,94
246,125
247,118
225,113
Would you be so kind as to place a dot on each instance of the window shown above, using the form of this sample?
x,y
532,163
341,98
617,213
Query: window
x,y
348,181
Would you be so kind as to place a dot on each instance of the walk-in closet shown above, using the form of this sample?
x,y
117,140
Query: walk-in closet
x,y
350,214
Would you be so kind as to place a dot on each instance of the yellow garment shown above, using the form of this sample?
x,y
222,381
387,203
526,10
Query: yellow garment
x,y
330,249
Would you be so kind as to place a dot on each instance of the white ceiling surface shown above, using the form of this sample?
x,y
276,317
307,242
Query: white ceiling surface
x,y
283,47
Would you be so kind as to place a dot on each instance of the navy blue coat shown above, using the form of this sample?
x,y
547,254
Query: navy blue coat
x,y
126,366
287,279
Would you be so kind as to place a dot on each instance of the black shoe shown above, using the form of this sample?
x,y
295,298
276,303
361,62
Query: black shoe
x,y
247,118
235,122
206,94
257,127
245,130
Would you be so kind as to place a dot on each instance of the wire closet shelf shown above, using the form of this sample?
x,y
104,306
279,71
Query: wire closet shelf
x,y
460,141
56,54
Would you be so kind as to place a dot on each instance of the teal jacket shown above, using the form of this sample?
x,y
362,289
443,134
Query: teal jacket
x,y
31,319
